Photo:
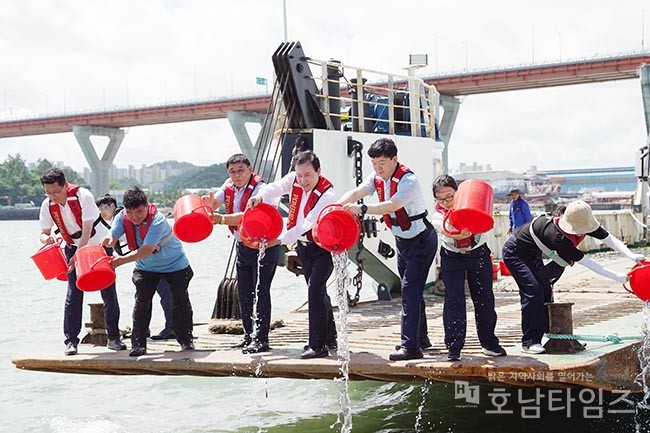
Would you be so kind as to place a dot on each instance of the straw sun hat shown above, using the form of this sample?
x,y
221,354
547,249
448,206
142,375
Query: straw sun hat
x,y
578,219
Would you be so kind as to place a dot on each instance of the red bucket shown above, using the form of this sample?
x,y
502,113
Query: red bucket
x,y
192,219
640,281
336,229
495,271
51,261
504,269
472,208
263,222
94,269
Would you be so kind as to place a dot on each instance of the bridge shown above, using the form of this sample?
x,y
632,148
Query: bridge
x,y
459,84
253,108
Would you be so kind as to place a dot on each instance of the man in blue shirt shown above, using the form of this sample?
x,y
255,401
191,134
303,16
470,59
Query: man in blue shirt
x,y
519,210
157,254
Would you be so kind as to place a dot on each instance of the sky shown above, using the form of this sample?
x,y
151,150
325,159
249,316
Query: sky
x,y
61,56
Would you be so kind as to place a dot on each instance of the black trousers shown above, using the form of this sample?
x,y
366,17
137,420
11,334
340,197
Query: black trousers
x,y
72,313
145,287
534,291
317,266
414,259
247,280
476,265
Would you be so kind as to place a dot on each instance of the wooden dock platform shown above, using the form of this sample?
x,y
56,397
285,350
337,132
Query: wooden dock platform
x,y
373,332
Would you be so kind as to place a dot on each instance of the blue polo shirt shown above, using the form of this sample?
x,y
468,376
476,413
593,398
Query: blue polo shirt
x,y
170,257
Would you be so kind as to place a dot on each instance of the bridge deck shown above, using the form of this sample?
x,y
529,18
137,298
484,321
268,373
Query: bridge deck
x,y
373,331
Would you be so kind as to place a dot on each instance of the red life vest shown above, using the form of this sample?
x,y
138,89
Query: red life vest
x,y
296,196
129,227
229,196
75,207
400,214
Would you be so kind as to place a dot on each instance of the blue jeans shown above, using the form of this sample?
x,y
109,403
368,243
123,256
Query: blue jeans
x,y
414,259
74,298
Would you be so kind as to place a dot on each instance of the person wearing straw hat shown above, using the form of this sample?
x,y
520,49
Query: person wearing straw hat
x,y
235,193
158,254
404,211
310,193
464,255
72,210
554,238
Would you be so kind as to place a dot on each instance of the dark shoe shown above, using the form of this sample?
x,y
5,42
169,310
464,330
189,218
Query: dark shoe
x,y
70,349
310,353
495,351
403,354
165,334
116,344
138,351
256,347
425,343
454,355
187,346
245,342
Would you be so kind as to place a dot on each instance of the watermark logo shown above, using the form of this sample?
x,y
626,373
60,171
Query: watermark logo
x,y
467,392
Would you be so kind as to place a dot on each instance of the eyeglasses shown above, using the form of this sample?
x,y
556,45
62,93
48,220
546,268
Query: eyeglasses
x,y
445,199
53,193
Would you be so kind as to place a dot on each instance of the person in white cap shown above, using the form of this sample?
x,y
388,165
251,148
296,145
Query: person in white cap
x,y
555,238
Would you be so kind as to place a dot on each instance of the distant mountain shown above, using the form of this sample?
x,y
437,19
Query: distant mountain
x,y
197,177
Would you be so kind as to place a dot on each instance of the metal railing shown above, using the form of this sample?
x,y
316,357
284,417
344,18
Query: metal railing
x,y
378,101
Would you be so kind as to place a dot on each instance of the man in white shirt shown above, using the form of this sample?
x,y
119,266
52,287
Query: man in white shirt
x,y
404,211
309,194
74,214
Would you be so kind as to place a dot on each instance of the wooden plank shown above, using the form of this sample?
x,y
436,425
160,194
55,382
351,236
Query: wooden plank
x,y
374,329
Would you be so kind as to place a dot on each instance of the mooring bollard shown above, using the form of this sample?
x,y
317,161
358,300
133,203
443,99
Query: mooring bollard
x,y
560,321
96,327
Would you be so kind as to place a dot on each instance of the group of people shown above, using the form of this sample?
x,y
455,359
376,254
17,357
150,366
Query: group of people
x,y
464,256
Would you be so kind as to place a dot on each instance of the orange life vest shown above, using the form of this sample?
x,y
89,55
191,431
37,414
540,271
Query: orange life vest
x,y
229,196
296,196
401,216
75,207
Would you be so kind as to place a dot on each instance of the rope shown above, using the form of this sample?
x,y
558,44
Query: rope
x,y
613,338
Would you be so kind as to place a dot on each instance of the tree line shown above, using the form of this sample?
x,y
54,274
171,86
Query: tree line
x,y
19,184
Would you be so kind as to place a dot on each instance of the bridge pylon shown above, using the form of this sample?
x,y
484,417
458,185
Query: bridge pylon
x,y
99,167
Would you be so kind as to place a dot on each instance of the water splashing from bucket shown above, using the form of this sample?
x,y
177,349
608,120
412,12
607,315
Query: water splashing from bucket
x,y
343,351
643,353
254,315
424,389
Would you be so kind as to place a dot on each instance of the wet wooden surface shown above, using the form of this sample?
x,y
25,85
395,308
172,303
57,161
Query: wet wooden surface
x,y
374,330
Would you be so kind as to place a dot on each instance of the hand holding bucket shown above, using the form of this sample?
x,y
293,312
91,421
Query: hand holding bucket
x,y
640,281
336,230
51,261
94,269
263,223
472,208
192,222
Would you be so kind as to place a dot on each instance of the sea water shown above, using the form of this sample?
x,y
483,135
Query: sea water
x,y
31,312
